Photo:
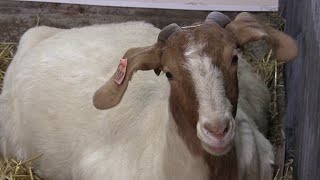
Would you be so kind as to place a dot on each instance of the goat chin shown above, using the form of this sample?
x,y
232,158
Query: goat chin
x,y
46,108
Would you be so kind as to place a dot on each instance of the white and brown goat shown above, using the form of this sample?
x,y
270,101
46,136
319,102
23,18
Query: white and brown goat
x,y
204,122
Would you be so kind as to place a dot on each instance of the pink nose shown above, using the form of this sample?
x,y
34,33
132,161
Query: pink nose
x,y
217,129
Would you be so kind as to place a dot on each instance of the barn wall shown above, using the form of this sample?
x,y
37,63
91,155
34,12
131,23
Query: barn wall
x,y
303,87
216,5
17,17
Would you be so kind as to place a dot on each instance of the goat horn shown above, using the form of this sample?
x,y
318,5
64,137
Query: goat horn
x,y
219,18
167,31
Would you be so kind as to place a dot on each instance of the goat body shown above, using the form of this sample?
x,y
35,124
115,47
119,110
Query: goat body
x,y
46,108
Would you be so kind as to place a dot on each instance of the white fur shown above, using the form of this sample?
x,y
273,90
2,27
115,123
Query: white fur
x,y
208,81
46,108
214,106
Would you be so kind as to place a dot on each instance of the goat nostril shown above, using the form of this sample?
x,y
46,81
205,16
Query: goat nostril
x,y
226,129
218,130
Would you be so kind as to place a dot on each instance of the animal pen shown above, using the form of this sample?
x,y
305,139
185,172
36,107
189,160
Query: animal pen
x,y
295,87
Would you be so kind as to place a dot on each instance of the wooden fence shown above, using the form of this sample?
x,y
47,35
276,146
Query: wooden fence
x,y
303,88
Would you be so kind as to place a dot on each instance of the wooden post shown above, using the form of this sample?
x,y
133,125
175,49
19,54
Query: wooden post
x,y
303,87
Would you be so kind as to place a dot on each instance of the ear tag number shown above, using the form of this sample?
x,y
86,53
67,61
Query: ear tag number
x,y
121,71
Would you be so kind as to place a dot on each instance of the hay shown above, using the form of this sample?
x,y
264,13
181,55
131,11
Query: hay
x,y
17,170
271,72
6,55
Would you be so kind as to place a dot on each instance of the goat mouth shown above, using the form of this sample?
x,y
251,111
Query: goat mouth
x,y
213,145
217,150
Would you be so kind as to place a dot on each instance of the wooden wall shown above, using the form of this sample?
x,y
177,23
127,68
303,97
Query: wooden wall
x,y
303,88
16,17
208,5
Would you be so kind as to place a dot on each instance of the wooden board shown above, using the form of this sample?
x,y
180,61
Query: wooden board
x,y
303,88
215,5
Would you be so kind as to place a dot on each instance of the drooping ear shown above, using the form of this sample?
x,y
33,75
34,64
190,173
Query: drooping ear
x,y
111,93
246,28
142,58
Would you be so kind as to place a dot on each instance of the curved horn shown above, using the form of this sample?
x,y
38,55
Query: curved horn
x,y
167,31
219,18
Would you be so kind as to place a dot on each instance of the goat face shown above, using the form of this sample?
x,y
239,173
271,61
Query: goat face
x,y
200,63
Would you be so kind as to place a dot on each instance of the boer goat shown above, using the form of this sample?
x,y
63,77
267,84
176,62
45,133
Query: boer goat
x,y
204,121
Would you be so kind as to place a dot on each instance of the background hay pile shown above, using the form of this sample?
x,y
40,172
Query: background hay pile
x,y
6,55
271,72
265,65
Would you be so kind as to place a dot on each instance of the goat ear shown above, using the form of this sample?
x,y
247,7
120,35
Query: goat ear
x,y
111,93
246,28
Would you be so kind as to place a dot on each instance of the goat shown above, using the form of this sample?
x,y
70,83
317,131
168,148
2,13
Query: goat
x,y
204,121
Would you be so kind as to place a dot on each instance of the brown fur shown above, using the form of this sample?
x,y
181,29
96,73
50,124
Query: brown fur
x,y
246,28
183,100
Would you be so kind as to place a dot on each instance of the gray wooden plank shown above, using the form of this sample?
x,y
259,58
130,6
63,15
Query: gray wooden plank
x,y
303,88
220,5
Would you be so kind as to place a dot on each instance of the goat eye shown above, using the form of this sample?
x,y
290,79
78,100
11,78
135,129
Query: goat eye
x,y
169,75
235,60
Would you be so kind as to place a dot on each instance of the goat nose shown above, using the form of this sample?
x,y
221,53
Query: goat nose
x,y
217,129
